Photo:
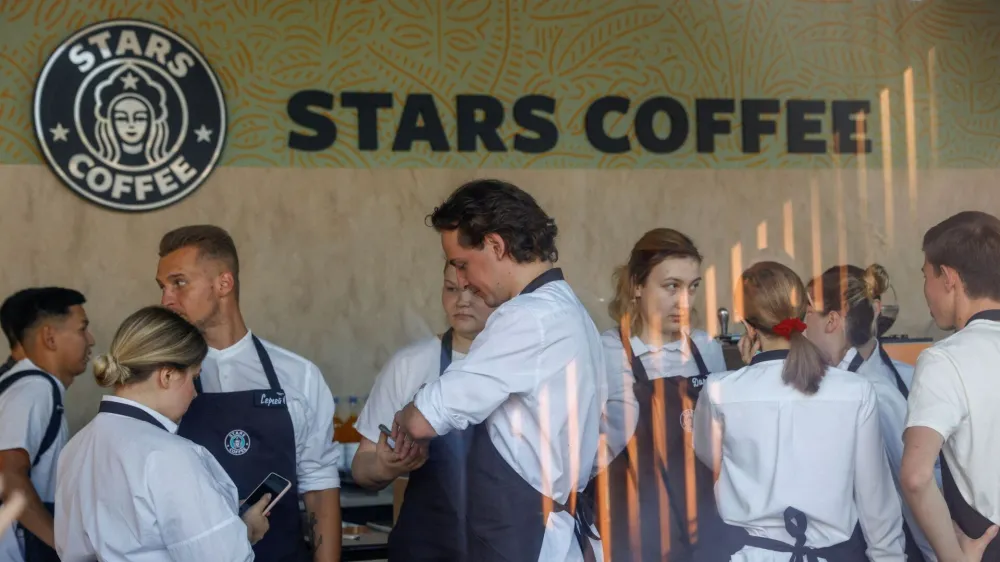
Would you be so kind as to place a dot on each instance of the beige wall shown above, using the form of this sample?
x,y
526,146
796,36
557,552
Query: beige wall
x,y
338,265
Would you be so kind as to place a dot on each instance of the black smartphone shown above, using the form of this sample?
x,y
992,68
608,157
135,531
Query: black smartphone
x,y
275,485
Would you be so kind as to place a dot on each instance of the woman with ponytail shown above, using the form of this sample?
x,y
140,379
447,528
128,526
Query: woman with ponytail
x,y
843,312
795,443
655,495
128,487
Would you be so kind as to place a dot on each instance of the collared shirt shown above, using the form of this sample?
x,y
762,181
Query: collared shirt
x,y
821,454
130,491
673,359
310,403
892,420
397,383
535,376
25,411
956,390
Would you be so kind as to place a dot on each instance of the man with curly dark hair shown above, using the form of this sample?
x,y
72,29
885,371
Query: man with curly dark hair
x,y
526,399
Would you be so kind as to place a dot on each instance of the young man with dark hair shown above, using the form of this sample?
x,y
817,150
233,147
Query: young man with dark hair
x,y
529,386
953,404
260,408
9,312
52,327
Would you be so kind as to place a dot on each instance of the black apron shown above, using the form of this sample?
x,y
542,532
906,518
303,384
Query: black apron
x,y
431,523
506,515
913,552
651,510
972,523
796,523
35,549
250,433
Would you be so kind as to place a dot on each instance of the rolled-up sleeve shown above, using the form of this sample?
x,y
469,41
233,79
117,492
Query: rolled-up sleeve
x,y
503,360
317,457
200,525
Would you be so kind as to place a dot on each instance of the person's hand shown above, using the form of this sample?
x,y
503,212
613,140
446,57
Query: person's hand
x,y
256,520
11,508
748,347
394,464
973,548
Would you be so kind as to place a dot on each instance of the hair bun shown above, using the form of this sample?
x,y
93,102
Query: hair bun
x,y
109,372
876,280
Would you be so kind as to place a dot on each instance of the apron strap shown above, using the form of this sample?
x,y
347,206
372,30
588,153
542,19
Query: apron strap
x,y
638,370
796,523
702,368
55,420
895,373
856,362
265,362
129,411
446,350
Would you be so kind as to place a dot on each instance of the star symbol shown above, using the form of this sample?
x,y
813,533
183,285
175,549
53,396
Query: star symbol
x,y
59,133
204,134
129,81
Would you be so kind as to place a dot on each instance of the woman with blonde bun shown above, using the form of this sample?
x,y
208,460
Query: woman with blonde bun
x,y
844,308
130,489
795,442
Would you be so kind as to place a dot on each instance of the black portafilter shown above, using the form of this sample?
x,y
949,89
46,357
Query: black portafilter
x,y
724,335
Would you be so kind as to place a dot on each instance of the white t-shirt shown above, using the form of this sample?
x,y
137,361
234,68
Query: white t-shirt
x,y
131,492
25,411
956,392
821,454
398,381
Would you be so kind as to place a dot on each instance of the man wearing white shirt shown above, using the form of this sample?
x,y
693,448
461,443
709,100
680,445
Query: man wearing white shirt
x,y
953,405
530,384
260,408
53,329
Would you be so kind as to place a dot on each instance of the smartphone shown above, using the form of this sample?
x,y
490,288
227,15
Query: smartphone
x,y
388,435
275,485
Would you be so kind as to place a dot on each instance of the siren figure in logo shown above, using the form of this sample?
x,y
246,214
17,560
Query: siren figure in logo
x,y
131,111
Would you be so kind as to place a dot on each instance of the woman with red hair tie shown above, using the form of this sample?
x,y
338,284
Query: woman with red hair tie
x,y
802,473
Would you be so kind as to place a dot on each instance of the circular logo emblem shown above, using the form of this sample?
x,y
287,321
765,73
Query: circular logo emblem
x,y
687,420
129,115
237,442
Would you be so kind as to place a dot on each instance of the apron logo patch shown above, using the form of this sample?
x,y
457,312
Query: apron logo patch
x,y
269,399
129,115
687,420
698,381
237,442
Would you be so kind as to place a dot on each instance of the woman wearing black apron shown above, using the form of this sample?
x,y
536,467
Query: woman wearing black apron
x,y
654,500
130,488
431,522
796,443
842,318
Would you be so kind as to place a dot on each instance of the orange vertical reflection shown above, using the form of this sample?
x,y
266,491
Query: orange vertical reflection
x,y
817,232
689,474
788,225
573,425
863,192
931,69
762,235
911,140
545,429
659,421
841,215
890,215
711,303
736,265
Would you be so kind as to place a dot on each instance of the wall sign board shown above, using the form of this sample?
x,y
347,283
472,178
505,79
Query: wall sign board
x,y
129,115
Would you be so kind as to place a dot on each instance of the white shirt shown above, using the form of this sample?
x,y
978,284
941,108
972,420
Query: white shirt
x,y
310,403
131,492
405,372
674,359
956,392
25,411
892,420
535,376
821,454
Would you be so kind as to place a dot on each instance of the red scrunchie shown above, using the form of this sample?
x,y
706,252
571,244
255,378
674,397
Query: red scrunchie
x,y
789,326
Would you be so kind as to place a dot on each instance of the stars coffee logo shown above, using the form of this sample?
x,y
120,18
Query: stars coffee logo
x,y
129,115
